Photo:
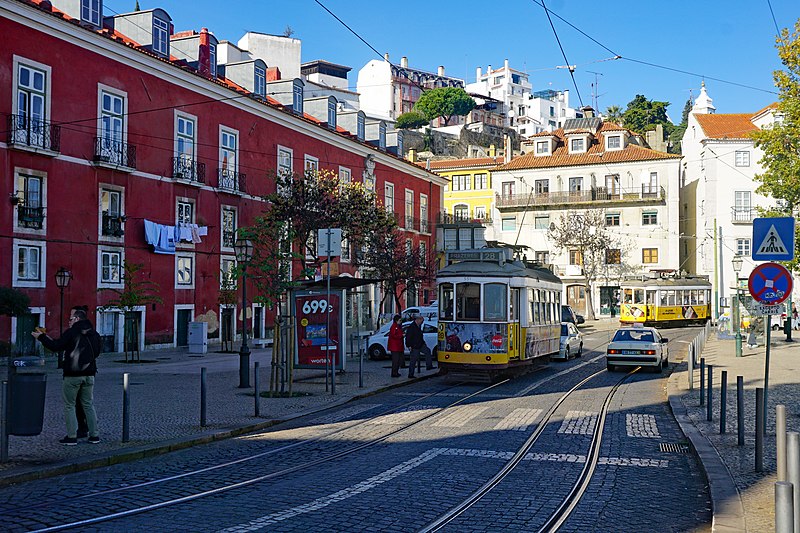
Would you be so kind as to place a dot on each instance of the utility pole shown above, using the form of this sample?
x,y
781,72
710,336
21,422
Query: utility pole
x,y
595,91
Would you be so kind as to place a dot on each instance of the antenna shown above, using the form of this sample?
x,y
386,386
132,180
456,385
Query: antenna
x,y
594,90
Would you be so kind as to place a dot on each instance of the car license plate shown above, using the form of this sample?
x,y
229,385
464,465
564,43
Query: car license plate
x,y
630,352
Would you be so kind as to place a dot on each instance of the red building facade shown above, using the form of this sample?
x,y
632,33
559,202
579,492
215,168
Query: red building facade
x,y
105,136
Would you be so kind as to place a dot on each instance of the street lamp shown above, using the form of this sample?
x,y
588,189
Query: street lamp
x,y
737,267
244,253
63,277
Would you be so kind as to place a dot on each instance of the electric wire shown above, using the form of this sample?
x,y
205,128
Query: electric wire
x,y
564,54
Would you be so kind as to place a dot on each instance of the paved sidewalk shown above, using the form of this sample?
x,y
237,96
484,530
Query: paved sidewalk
x,y
165,407
743,499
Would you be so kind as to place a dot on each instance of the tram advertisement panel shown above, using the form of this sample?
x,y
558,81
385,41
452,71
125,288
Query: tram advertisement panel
x,y
478,337
314,313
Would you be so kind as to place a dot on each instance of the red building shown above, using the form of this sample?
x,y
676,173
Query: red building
x,y
118,129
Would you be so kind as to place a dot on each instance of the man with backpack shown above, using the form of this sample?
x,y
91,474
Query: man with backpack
x,y
416,343
81,346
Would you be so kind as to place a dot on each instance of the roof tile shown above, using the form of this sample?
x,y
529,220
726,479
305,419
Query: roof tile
x,y
726,126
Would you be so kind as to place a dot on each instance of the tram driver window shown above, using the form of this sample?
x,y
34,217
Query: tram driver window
x,y
638,296
446,301
468,301
628,296
495,304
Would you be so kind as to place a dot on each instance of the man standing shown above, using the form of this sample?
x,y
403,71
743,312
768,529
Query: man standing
x,y
416,343
81,346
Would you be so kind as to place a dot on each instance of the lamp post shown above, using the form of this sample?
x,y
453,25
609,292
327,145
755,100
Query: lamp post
x,y
737,267
63,277
244,252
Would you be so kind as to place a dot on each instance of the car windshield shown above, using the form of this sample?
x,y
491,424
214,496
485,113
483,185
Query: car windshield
x,y
564,330
633,335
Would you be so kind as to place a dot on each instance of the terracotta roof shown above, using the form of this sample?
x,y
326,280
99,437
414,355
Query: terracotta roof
x,y
726,126
773,105
453,164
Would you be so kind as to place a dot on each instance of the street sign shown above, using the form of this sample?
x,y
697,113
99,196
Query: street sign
x,y
335,242
773,239
761,309
770,283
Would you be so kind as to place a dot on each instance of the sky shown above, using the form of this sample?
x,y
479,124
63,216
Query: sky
x,y
711,40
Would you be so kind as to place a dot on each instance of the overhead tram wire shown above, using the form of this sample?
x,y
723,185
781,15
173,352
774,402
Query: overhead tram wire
x,y
564,54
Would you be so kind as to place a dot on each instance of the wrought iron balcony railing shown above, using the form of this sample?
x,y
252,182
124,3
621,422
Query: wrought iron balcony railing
x,y
645,194
743,215
230,180
25,131
461,217
114,152
30,217
113,224
228,239
188,169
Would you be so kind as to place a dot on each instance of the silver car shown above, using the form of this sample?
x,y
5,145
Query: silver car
x,y
637,346
571,342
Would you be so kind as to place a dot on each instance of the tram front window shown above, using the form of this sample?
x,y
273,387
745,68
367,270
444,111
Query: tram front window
x,y
495,305
446,301
468,301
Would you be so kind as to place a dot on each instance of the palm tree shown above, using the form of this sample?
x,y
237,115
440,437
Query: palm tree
x,y
614,114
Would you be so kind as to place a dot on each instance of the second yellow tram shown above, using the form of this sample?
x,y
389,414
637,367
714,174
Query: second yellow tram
x,y
665,301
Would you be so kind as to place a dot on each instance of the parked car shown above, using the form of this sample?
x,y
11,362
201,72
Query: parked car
x,y
571,342
380,339
569,315
637,346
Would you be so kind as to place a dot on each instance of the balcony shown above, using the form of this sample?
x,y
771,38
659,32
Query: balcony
x,y
463,218
113,225
30,134
30,217
230,180
192,170
114,154
743,215
600,195
228,239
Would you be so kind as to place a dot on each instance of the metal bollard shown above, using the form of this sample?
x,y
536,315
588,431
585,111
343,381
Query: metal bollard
x,y
740,410
203,397
723,402
360,366
780,441
784,507
690,365
759,429
126,408
793,472
710,393
257,391
702,381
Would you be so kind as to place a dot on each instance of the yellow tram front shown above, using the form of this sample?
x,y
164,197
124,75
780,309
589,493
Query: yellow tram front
x,y
494,312
666,301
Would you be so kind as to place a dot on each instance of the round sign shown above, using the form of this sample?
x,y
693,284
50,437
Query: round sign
x,y
770,283
304,322
497,341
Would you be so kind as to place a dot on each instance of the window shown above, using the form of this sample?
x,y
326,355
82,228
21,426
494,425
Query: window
x,y
260,81
613,256
614,142
29,263
495,298
461,212
30,126
284,161
186,166
228,233
742,208
542,257
509,224
185,212
112,128
227,273
481,181
388,197
552,111
480,212
110,265
612,184
423,254
212,59
297,98
541,222
228,159
409,209
462,182
743,247
345,175
423,213
575,185
184,271
650,218
311,164
541,186
542,147
649,255
30,209
508,189
575,257
90,11
612,219
468,301
742,158
332,114
576,145
112,220
345,251
160,36
652,187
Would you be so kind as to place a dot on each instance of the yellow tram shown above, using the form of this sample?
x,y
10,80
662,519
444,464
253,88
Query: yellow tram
x,y
665,301
496,313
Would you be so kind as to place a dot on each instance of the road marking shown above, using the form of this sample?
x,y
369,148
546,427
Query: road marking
x,y
519,419
459,416
638,425
345,413
453,394
578,423
404,416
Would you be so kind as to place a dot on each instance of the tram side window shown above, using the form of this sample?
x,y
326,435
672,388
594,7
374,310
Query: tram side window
x,y
628,296
532,311
650,296
702,296
668,297
446,301
514,304
495,303
694,296
537,318
468,301
638,296
548,306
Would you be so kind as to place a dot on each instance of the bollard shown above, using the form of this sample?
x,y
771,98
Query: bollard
x,y
360,366
203,397
710,393
759,429
690,365
702,381
257,391
740,410
3,422
723,402
793,472
780,441
784,507
126,408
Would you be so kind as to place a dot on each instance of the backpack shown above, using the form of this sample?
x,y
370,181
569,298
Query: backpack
x,y
86,350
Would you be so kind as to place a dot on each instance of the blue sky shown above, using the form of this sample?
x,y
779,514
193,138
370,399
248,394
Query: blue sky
x,y
732,41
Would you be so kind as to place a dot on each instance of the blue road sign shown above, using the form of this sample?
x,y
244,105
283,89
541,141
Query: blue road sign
x,y
773,239
770,283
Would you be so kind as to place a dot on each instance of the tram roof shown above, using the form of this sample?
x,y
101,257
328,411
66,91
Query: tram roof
x,y
668,283
509,269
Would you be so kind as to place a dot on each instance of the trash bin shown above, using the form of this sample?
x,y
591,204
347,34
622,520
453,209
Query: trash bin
x,y
27,382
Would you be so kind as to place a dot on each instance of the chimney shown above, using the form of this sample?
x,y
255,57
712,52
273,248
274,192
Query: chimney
x,y
440,70
386,57
273,74
505,64
478,74
204,54
489,69
404,62
587,111
506,148
427,164
492,150
412,155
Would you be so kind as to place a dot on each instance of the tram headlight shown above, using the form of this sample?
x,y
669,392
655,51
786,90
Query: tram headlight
x,y
467,347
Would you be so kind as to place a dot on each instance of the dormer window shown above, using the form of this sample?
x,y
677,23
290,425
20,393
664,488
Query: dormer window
x,y
361,127
160,36
212,59
382,136
90,11
297,98
260,81
614,142
577,145
332,114
542,147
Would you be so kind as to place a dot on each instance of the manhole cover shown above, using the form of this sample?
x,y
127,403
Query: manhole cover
x,y
668,447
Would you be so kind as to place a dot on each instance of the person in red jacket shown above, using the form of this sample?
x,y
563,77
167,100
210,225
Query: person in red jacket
x,y
395,345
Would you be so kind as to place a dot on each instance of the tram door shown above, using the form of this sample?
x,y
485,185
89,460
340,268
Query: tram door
x,y
514,341
650,301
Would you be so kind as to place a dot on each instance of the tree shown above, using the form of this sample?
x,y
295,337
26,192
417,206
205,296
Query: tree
x,y
614,114
781,140
411,120
586,234
676,137
643,115
13,302
444,102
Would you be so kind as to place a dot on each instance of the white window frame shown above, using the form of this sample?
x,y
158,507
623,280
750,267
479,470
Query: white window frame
x,y
482,179
106,188
103,283
18,173
183,200
345,175
408,205
388,197
180,115
24,282
212,59
310,163
424,223
285,155
503,220
160,36
20,61
332,114
223,259
260,81
297,98
744,247
480,212
180,307
650,213
577,150
542,147
183,257
614,139
227,209
742,158
229,133
94,8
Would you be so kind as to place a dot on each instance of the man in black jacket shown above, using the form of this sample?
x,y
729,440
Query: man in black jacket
x,y
81,346
416,344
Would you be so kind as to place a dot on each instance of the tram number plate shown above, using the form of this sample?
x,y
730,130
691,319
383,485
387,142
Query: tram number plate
x,y
630,352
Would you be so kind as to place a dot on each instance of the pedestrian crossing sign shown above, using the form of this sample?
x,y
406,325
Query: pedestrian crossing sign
x,y
773,239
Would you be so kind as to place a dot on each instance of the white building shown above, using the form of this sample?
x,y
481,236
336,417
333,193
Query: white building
x,y
718,192
323,78
591,165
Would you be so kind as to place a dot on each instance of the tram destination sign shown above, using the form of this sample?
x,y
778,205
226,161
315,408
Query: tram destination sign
x,y
477,255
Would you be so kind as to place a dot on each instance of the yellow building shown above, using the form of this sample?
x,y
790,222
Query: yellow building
x,y
469,195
